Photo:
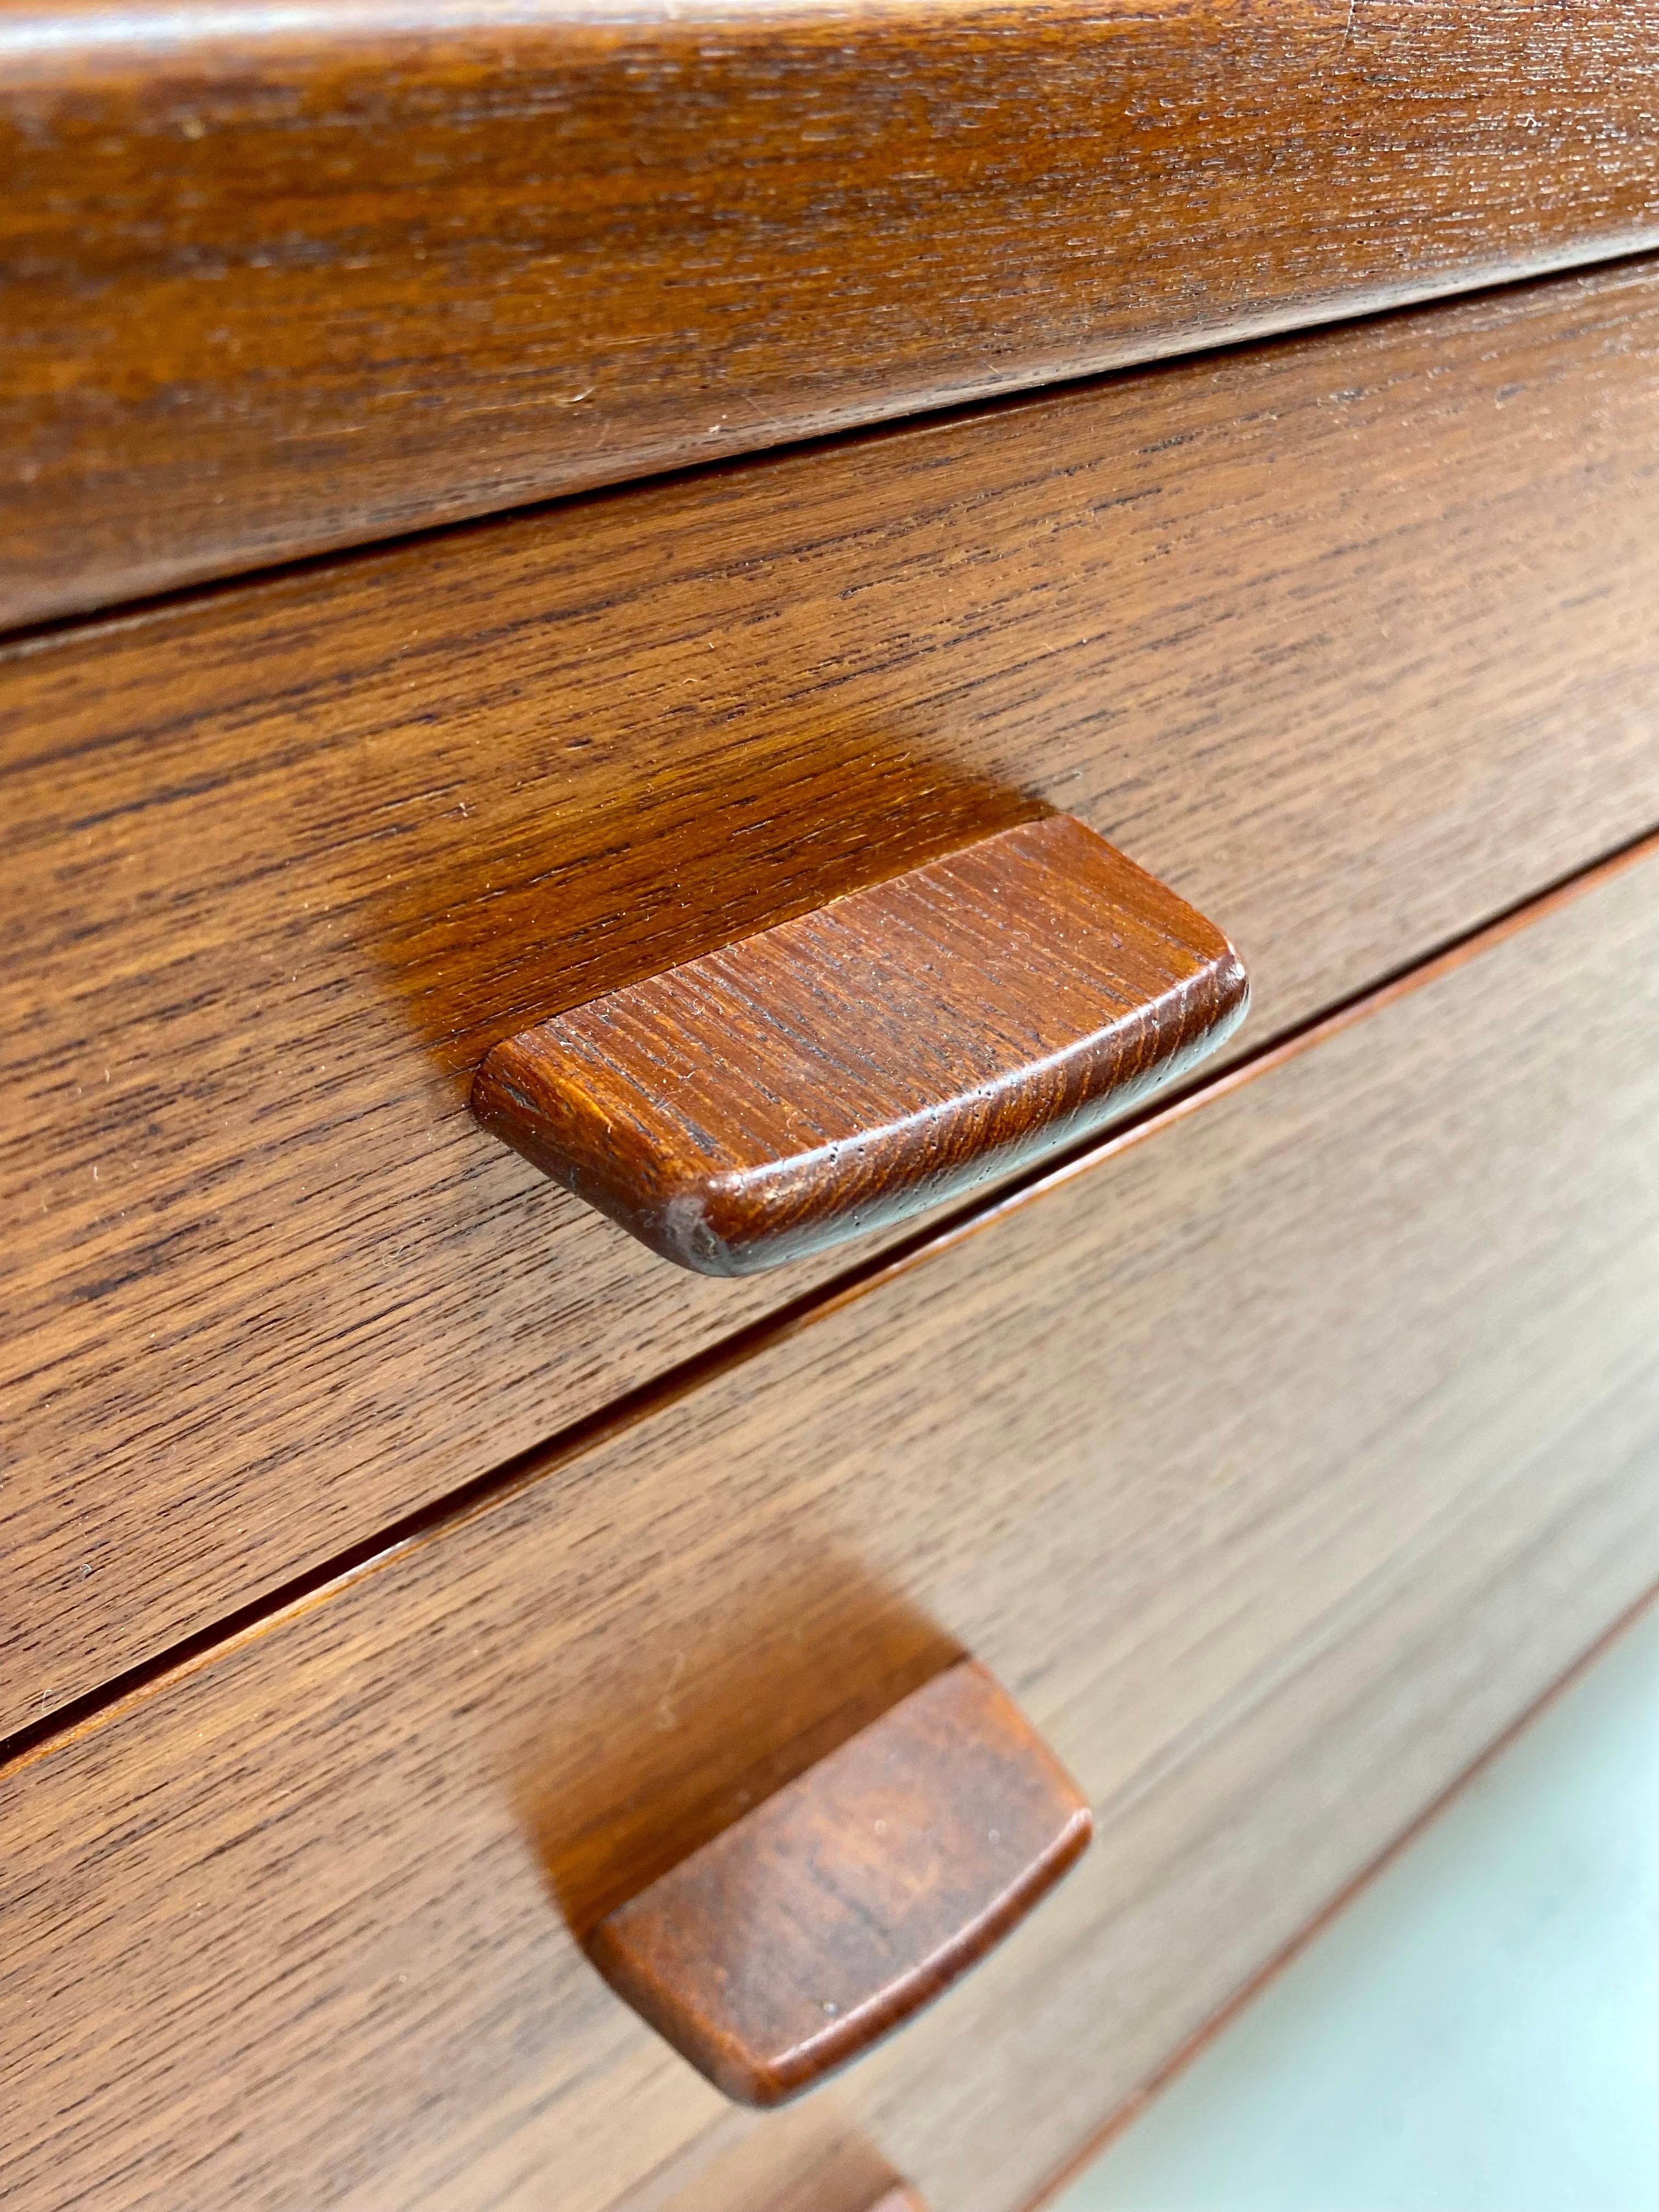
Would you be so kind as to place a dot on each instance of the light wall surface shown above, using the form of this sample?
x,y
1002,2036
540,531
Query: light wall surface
x,y
1479,2031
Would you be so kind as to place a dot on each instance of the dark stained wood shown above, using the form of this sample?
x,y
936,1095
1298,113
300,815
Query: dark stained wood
x,y
897,1049
1274,1464
790,1943
1348,639
278,282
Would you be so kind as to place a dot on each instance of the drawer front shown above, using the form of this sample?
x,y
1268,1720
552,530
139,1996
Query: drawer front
x,y
1349,639
1274,1461
271,289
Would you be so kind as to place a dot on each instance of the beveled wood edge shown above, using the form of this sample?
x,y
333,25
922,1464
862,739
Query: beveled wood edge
x,y
144,48
69,1723
717,1220
969,1949
765,2083
1258,1983
217,575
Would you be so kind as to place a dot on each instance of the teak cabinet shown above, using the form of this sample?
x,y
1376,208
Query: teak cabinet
x,y
497,1720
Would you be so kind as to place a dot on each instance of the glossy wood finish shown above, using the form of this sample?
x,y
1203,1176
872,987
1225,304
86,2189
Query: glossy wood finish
x,y
1305,629
892,1050
790,1943
283,279
1274,1464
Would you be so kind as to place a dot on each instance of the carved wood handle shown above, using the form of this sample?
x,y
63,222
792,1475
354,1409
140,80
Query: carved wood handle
x,y
843,1070
797,1938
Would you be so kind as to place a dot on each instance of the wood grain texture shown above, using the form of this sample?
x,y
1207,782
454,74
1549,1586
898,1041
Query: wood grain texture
x,y
790,1943
895,1049
1349,639
286,278
1273,1465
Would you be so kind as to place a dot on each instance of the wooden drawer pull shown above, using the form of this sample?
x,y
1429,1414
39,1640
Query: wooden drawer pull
x,y
797,1938
840,1070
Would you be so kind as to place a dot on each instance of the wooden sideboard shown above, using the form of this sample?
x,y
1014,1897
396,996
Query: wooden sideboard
x,y
406,1570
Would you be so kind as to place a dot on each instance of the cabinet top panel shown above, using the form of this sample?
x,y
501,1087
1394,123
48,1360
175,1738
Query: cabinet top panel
x,y
278,279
